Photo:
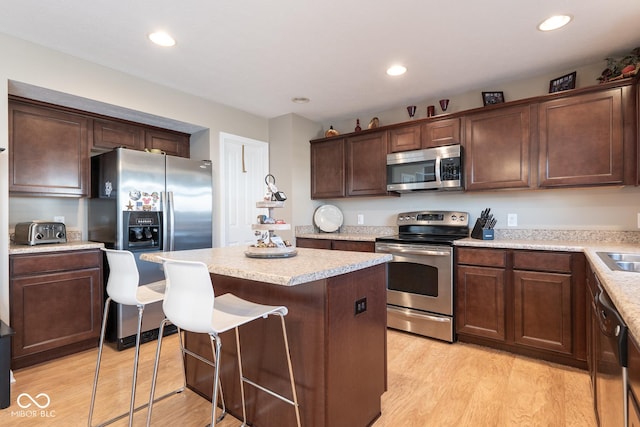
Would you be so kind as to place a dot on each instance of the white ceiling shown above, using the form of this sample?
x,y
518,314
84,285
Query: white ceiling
x,y
256,55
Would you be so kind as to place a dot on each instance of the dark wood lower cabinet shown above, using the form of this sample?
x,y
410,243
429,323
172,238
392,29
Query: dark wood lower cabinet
x,y
634,383
527,302
339,245
56,304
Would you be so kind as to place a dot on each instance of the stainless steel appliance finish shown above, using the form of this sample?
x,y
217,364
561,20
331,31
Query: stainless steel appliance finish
x,y
438,168
611,386
420,276
39,232
147,202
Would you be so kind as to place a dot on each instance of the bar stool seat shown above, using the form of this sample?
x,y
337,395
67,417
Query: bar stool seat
x,y
123,288
190,304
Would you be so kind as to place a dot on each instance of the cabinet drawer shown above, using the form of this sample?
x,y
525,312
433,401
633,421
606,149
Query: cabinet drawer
x,y
542,261
484,257
54,261
350,245
302,242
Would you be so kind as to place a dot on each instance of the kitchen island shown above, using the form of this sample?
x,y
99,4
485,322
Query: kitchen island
x,y
338,356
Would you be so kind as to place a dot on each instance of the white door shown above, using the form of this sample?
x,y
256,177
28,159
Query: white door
x,y
244,165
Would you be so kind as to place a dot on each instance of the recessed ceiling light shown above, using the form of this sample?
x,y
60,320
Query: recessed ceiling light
x,y
396,70
162,39
300,100
554,22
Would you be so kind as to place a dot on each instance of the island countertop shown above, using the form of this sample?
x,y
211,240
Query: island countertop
x,y
307,266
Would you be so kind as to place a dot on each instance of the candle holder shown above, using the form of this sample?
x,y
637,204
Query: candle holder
x,y
411,110
444,104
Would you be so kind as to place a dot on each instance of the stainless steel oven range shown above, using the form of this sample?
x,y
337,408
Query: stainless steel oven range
x,y
420,276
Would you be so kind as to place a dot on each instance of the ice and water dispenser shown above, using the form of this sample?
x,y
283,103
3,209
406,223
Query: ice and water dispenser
x,y
142,230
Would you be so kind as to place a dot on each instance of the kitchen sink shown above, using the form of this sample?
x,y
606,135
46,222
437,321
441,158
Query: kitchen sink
x,y
621,261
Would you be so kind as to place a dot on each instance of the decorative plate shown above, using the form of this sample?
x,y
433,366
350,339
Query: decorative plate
x,y
328,218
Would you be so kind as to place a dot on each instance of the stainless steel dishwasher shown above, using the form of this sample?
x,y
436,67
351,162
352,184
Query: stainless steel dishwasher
x,y
611,363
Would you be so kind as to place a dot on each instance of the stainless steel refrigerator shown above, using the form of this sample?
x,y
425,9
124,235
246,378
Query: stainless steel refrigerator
x,y
144,202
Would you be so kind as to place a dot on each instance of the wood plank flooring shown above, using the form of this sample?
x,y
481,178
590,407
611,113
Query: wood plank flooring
x,y
431,383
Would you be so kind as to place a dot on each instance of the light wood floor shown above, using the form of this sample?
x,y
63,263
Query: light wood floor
x,y
430,384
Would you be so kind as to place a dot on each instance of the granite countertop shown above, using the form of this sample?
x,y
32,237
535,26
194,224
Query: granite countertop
x,y
53,247
349,232
308,265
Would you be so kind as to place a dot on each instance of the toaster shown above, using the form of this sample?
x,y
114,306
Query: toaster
x,y
38,232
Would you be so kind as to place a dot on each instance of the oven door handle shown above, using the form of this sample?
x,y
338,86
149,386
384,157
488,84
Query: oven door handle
x,y
423,252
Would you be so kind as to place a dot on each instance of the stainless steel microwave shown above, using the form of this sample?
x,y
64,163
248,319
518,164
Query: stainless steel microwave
x,y
438,168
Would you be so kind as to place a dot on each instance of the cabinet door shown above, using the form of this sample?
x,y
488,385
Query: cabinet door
x,y
350,245
404,138
441,132
328,169
49,152
581,140
497,149
51,311
367,165
313,243
480,305
542,310
108,135
634,382
174,144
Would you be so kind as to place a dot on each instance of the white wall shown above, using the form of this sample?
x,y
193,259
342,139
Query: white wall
x,y
34,65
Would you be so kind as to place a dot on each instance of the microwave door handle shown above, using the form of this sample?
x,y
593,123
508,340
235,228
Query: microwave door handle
x,y
438,176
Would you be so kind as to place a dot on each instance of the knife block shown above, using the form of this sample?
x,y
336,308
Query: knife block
x,y
481,233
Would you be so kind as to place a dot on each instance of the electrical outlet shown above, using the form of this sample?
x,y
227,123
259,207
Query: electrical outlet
x,y
361,219
512,220
58,219
361,305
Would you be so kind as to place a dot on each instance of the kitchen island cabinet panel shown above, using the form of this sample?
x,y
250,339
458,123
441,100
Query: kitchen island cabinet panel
x,y
581,140
634,382
339,358
56,304
48,151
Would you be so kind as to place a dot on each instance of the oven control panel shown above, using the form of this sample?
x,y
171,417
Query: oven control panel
x,y
457,219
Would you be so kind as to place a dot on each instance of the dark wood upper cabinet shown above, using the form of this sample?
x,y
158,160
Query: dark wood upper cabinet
x,y
367,165
581,140
109,134
49,154
328,169
404,138
174,144
498,148
441,132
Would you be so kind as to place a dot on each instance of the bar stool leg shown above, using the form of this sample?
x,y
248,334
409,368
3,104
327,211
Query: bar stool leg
x,y
95,378
244,410
216,344
135,366
293,384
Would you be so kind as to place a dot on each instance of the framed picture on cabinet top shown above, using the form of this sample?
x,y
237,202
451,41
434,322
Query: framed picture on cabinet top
x,y
490,98
565,82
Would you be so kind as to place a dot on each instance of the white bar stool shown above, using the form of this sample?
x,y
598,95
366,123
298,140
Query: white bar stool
x,y
190,304
122,287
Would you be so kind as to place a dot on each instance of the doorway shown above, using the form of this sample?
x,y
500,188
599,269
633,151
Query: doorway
x,y
243,167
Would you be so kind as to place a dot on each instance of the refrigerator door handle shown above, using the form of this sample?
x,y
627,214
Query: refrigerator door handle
x,y
170,221
164,209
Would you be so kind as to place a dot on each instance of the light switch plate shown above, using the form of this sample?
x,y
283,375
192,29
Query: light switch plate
x,y
512,220
361,219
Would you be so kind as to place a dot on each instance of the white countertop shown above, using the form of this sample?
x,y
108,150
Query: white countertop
x,y
53,247
307,266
